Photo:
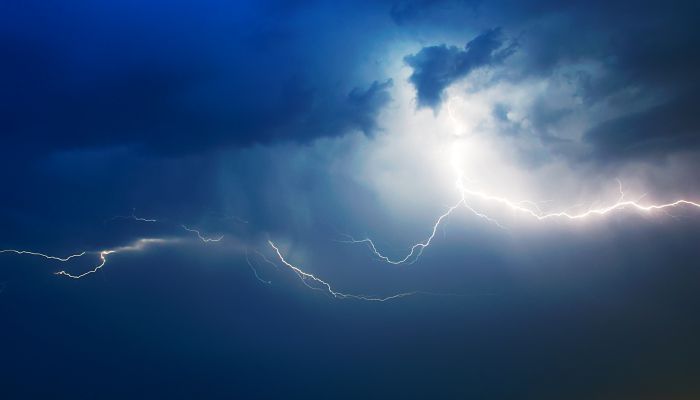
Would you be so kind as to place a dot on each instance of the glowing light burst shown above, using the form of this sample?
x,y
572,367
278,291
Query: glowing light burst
x,y
321,285
526,207
201,237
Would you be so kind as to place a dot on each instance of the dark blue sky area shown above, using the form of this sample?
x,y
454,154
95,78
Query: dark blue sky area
x,y
127,125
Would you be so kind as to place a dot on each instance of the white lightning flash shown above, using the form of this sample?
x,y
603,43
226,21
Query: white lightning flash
x,y
321,285
526,207
416,249
202,238
136,246
103,258
48,257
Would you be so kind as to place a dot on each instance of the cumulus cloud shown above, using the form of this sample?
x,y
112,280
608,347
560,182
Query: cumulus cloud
x,y
436,67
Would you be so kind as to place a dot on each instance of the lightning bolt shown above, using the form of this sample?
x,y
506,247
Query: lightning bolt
x,y
255,271
526,207
32,253
202,238
133,217
321,285
539,215
136,246
197,232
103,258
309,280
416,249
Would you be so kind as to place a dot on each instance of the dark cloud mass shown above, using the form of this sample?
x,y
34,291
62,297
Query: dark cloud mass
x,y
437,67
195,78
303,121
175,79
645,55
673,125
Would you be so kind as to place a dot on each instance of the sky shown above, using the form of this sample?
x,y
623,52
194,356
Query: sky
x,y
350,199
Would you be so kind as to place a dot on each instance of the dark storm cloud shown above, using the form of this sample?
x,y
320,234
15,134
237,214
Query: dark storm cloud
x,y
650,57
365,104
126,80
645,53
114,105
672,125
437,67
173,78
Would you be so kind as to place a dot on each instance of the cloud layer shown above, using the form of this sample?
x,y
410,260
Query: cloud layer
x,y
304,121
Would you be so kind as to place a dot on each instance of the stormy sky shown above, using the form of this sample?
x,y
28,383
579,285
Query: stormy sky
x,y
175,142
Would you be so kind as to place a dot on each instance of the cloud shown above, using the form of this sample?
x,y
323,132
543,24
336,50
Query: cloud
x,y
673,125
615,69
364,105
127,112
187,81
436,67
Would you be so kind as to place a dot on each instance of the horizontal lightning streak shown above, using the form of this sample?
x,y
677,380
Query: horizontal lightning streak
x,y
136,246
594,211
520,206
133,217
21,252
